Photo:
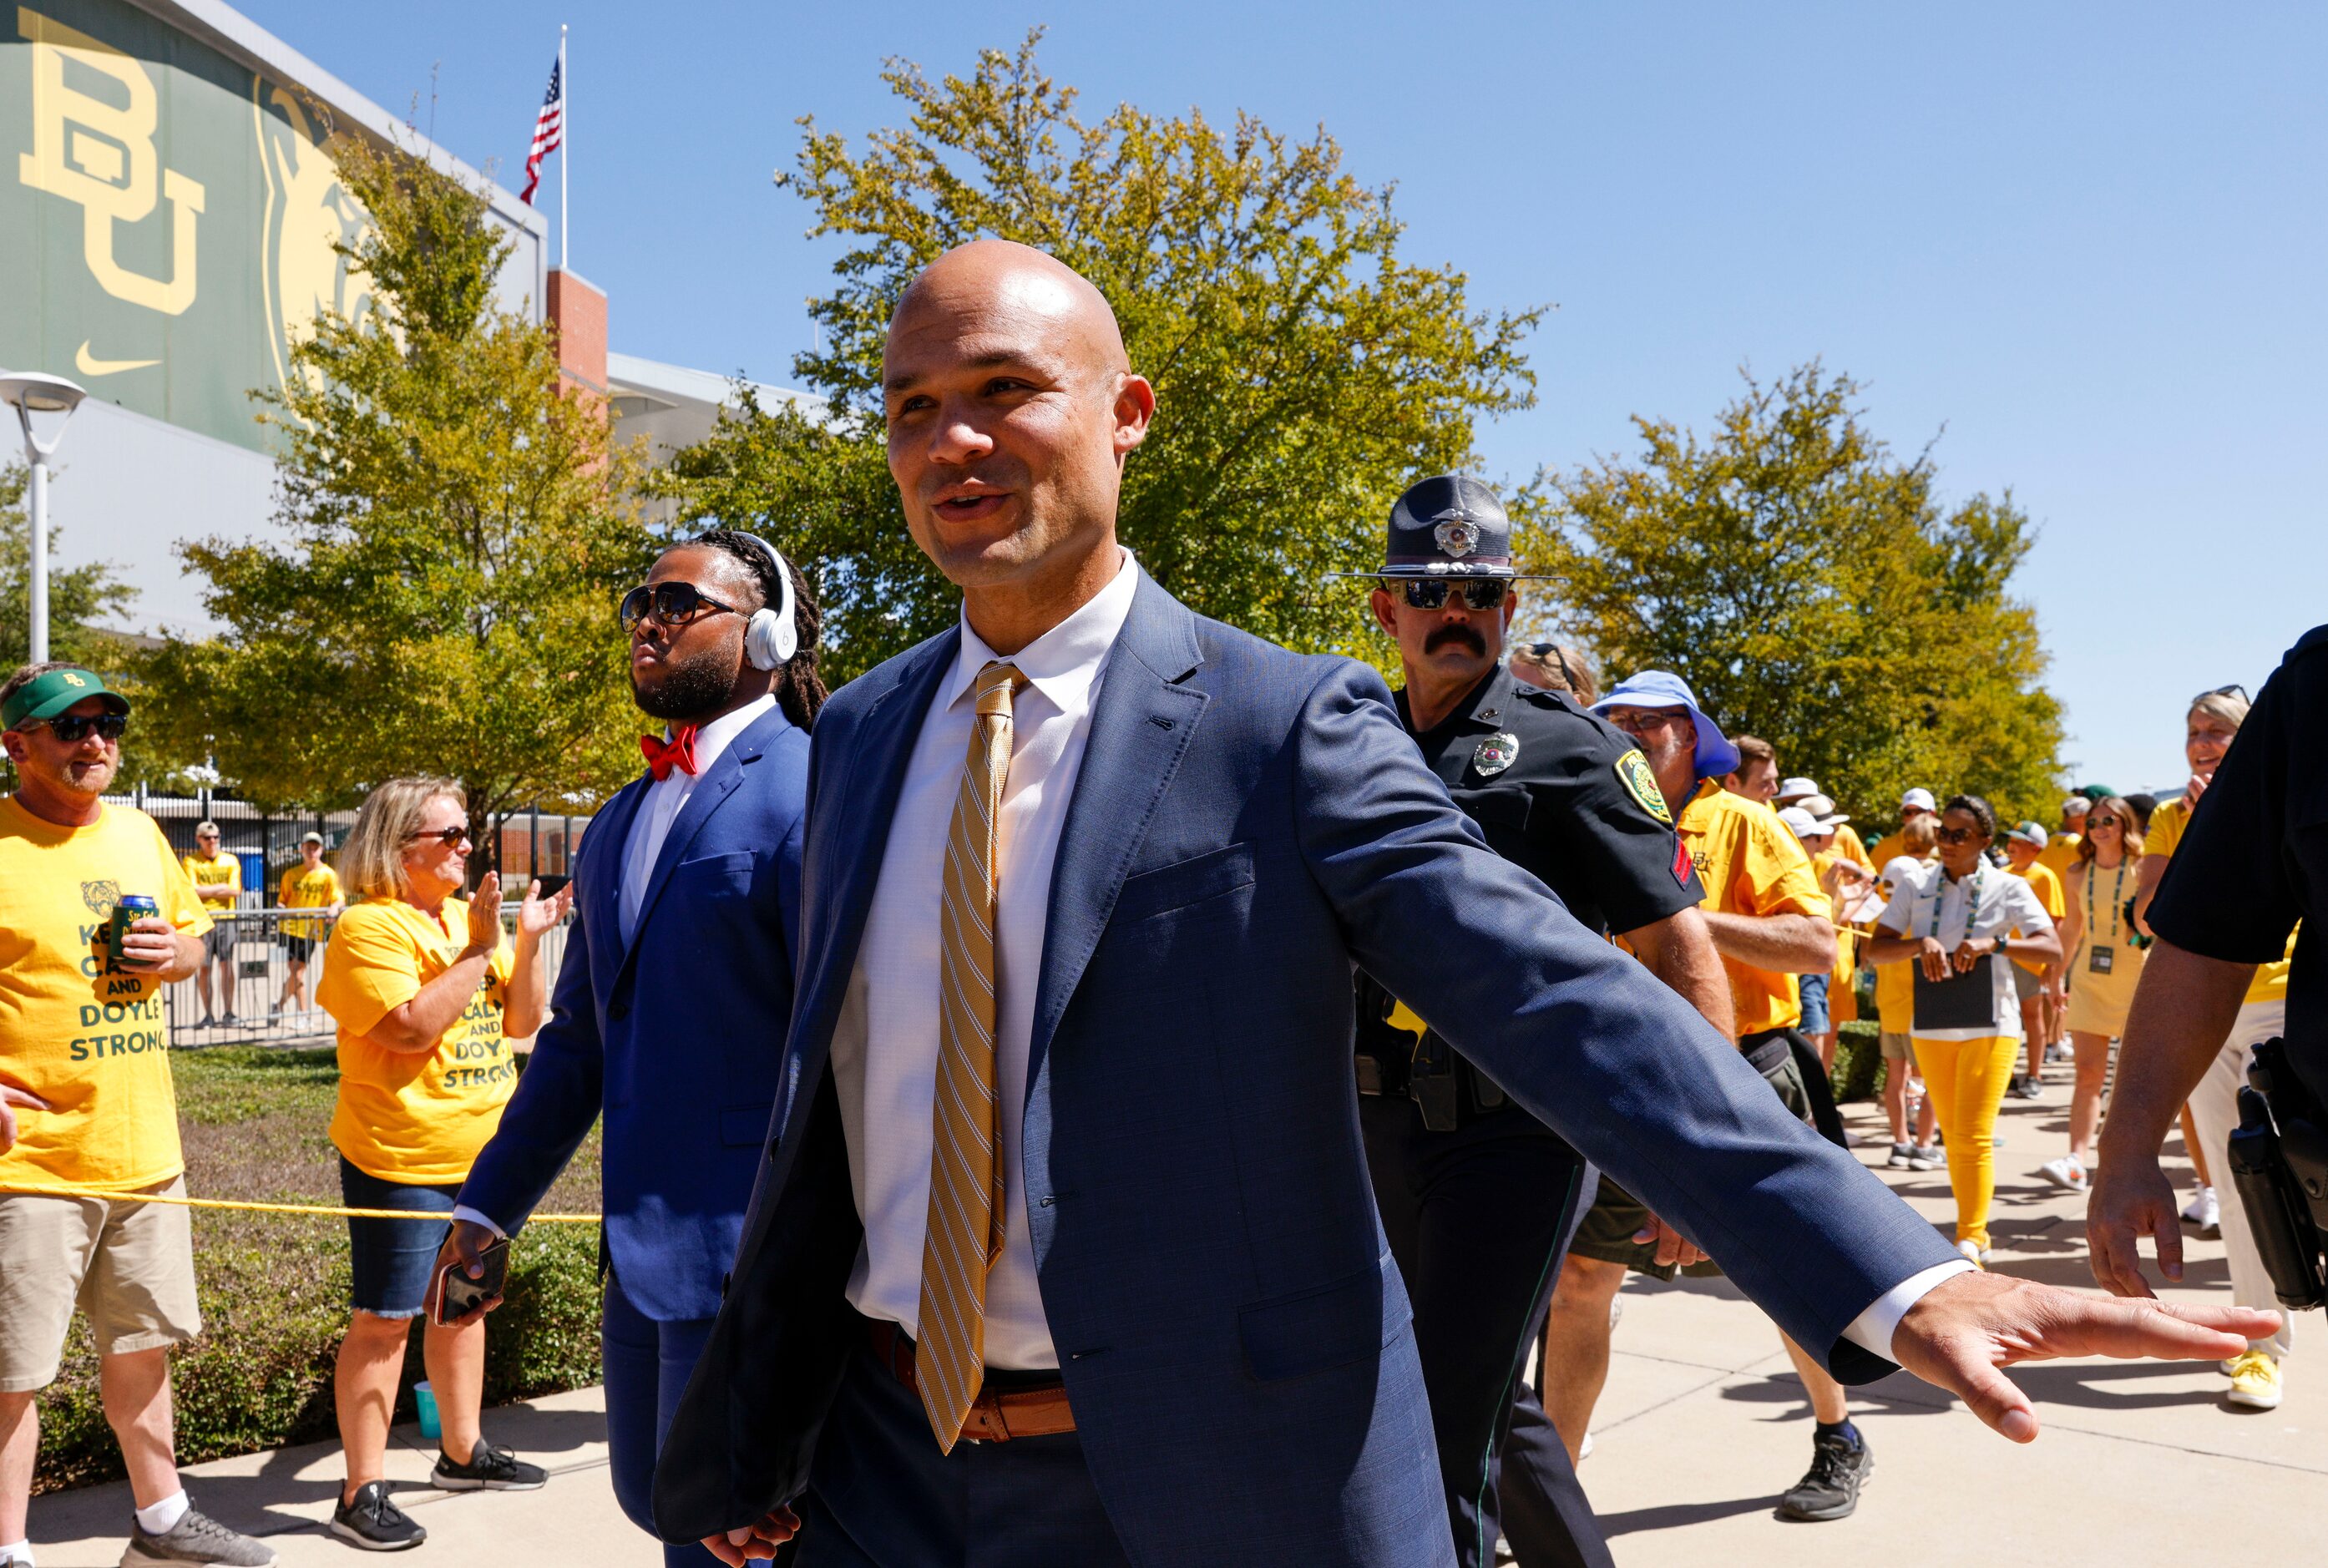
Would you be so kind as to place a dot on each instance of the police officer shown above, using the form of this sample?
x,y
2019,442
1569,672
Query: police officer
x,y
1477,1195
2252,864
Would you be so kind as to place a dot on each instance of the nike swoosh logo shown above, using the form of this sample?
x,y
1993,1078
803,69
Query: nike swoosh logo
x,y
90,365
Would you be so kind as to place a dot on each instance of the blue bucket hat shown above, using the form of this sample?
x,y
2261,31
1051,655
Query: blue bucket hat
x,y
1663,688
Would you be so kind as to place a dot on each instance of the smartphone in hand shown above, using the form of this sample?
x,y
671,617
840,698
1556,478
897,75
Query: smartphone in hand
x,y
457,1295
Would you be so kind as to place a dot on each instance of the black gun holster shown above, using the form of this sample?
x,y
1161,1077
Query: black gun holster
x,y
2279,1163
1424,1069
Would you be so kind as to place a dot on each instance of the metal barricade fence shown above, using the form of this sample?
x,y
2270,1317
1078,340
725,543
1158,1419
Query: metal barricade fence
x,y
247,968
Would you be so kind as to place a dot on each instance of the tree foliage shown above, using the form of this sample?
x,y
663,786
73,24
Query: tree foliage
x,y
78,596
1305,373
452,533
1815,591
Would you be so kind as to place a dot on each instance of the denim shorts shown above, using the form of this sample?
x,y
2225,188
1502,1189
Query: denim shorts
x,y
1813,989
392,1257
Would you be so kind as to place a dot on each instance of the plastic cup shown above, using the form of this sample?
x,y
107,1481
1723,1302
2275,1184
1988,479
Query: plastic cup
x,y
425,1397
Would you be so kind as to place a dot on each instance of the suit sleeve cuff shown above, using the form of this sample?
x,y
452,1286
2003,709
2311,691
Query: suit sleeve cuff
x,y
1872,1330
463,1211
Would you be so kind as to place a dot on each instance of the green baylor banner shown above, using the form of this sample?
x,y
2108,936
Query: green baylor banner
x,y
166,215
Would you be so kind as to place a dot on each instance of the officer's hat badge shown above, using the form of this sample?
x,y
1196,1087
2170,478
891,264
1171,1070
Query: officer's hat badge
x,y
1496,753
1458,537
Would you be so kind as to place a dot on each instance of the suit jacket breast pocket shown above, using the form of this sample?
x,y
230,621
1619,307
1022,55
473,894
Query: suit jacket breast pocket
x,y
715,876
1183,883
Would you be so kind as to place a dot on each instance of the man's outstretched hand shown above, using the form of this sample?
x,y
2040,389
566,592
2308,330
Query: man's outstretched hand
x,y
750,1541
1969,1327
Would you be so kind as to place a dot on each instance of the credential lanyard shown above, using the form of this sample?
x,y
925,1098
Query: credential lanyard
x,y
1972,903
2117,900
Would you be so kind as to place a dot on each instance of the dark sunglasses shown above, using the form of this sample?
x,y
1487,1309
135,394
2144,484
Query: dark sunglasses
x,y
2233,689
671,604
74,728
1958,835
1479,592
2094,824
449,837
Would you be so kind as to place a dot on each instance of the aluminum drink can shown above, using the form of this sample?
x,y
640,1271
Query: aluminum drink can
x,y
133,907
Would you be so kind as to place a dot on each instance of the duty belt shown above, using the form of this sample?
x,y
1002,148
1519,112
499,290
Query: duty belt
x,y
1446,1088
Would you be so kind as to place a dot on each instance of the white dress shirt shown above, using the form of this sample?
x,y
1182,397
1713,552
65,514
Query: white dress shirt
x,y
885,1044
665,798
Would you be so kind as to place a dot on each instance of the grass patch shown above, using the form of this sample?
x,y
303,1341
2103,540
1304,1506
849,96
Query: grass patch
x,y
274,1288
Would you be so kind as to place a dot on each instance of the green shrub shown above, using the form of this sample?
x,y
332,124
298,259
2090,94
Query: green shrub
x,y
1858,1062
274,1288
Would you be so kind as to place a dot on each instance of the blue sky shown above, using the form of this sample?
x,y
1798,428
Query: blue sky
x,y
2079,243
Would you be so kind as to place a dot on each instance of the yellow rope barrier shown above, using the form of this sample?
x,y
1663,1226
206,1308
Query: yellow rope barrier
x,y
230,1202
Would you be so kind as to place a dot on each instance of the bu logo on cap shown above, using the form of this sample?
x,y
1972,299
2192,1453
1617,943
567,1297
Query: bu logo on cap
x,y
73,680
1457,537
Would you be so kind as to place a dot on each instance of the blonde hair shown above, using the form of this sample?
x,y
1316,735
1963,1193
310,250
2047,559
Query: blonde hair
x,y
2226,706
371,862
1564,668
1921,832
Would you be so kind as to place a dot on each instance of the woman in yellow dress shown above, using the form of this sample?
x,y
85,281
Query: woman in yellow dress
x,y
2103,967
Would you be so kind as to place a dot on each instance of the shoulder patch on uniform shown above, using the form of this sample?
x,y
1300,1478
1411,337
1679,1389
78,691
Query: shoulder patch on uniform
x,y
1683,868
1633,772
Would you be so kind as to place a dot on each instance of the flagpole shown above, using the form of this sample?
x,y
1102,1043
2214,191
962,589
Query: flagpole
x,y
565,137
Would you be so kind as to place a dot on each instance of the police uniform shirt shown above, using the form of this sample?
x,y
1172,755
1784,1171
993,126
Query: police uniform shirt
x,y
1565,796
2254,859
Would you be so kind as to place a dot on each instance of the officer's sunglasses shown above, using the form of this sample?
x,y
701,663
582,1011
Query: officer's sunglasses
x,y
1479,592
72,729
671,604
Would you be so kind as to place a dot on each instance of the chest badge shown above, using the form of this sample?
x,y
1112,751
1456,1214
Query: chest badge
x,y
1494,753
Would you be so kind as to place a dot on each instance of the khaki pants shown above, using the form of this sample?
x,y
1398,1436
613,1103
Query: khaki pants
x,y
2215,1111
129,1266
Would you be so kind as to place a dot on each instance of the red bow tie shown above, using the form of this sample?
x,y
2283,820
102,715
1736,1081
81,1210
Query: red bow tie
x,y
662,755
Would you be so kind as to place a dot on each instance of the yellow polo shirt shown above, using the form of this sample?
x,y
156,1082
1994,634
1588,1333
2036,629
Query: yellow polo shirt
x,y
1751,863
2048,889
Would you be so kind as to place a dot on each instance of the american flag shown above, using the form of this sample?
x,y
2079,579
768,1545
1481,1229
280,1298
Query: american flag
x,y
548,130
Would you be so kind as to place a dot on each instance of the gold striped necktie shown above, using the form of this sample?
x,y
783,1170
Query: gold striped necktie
x,y
966,1216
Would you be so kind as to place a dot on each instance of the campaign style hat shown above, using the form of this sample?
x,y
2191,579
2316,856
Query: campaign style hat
x,y
2032,833
1663,688
1921,799
1448,526
1797,789
46,696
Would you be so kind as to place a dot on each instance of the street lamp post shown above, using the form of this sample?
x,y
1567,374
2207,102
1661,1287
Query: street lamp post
x,y
29,394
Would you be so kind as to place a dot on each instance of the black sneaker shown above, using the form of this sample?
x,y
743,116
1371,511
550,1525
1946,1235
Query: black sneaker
x,y
374,1523
489,1469
1830,1489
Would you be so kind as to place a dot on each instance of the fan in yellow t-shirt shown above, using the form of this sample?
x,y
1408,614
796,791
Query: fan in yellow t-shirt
x,y
1917,802
85,1035
2025,846
312,884
218,879
427,992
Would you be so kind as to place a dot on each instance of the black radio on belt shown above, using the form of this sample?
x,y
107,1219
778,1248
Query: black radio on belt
x,y
2279,1163
1423,1068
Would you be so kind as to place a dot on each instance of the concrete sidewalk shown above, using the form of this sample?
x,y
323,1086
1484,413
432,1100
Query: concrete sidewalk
x,y
1702,1427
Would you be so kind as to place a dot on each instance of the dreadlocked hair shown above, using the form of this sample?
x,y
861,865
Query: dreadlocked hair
x,y
800,691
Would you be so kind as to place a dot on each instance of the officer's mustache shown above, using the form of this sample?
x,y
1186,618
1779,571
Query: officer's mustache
x,y
1452,633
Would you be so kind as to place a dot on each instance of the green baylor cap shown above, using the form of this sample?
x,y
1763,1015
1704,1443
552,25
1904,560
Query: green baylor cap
x,y
46,696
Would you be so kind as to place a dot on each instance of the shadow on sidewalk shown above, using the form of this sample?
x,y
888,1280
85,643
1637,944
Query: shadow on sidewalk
x,y
1673,1515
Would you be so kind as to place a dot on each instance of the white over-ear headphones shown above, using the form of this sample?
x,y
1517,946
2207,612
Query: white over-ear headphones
x,y
770,638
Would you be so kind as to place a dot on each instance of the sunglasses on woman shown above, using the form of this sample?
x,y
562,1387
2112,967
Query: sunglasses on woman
x,y
2095,824
72,729
1958,835
449,837
671,604
1479,592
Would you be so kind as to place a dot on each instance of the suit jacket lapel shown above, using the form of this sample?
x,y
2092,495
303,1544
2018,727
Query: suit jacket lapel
x,y
609,835
1140,729
717,785
849,835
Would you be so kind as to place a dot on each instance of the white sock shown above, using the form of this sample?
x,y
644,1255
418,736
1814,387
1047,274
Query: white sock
x,y
162,1517
20,1552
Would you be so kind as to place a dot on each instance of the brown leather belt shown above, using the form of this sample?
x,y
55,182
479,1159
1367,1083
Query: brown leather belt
x,y
999,1414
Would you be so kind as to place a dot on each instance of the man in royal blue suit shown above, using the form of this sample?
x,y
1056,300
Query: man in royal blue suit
x,y
1065,1251
676,989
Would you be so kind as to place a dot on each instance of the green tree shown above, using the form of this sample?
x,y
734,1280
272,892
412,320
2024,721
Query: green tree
x,y
77,596
452,533
1815,591
1305,373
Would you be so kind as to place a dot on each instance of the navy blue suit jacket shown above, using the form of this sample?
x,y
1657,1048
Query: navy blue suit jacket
x,y
1247,825
678,1036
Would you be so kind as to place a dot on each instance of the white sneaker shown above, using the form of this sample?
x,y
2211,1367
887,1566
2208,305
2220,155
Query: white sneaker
x,y
2067,1172
1974,1253
2204,1212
